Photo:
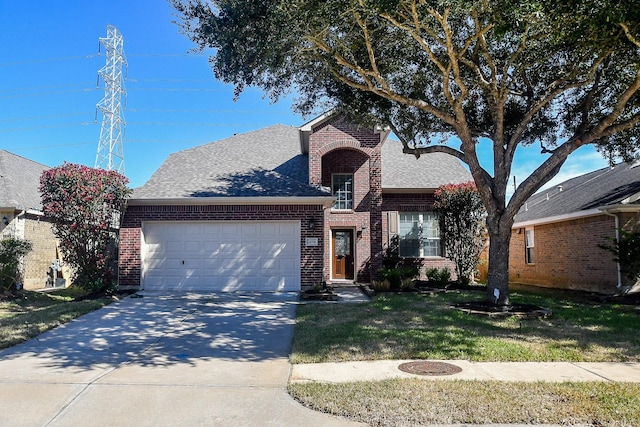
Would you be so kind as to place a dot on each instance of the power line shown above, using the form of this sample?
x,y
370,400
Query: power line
x,y
37,88
129,141
95,55
53,92
52,116
61,125
42,60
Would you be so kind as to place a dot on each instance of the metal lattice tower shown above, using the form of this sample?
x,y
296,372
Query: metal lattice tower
x,y
110,154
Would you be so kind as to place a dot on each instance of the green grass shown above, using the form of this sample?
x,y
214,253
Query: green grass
x,y
420,402
32,313
424,326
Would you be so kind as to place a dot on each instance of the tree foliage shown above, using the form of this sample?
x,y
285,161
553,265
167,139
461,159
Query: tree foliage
x,y
626,252
85,205
11,252
461,215
447,76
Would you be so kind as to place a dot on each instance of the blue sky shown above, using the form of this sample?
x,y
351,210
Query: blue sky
x,y
49,66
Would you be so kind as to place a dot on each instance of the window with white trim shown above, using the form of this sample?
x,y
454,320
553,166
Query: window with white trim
x,y
529,246
342,189
419,235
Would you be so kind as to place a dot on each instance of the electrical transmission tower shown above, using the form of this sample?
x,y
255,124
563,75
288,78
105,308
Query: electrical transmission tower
x,y
110,154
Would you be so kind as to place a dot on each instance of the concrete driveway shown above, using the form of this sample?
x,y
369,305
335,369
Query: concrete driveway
x,y
188,360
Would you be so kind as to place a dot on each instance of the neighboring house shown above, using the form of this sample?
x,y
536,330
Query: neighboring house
x,y
283,208
21,217
556,234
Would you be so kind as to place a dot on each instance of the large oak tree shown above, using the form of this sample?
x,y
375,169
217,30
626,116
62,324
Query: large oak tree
x,y
499,73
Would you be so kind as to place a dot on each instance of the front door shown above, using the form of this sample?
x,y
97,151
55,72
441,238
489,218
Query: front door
x,y
342,243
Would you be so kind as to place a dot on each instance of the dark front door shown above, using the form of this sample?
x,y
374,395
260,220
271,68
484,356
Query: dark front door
x,y
342,243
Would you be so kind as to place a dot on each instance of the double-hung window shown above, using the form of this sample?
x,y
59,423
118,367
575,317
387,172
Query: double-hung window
x,y
342,189
419,235
529,247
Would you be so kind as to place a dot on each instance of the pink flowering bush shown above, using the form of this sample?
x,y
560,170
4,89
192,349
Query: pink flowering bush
x,y
462,226
85,205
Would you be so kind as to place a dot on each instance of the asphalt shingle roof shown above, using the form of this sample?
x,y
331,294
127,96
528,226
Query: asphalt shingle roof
x,y
265,162
403,171
20,182
268,162
606,186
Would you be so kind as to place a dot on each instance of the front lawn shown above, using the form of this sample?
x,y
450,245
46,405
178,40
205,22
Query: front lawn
x,y
27,314
420,402
424,326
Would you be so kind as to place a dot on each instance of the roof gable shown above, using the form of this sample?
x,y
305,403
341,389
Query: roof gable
x,y
20,182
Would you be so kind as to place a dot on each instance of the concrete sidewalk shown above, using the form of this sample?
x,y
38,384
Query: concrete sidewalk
x,y
482,371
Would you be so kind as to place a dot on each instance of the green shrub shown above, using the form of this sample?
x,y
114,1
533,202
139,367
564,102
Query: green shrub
x,y
11,252
439,276
626,252
407,283
396,276
380,285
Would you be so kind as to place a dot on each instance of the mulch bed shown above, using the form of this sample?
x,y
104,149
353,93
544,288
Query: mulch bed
x,y
492,310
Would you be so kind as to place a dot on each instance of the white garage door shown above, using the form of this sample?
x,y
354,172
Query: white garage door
x,y
221,256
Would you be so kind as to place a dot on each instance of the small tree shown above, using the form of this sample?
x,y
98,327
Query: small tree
x,y
461,214
85,205
11,252
626,252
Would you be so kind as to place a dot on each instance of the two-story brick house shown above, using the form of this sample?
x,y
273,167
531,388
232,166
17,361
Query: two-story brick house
x,y
283,208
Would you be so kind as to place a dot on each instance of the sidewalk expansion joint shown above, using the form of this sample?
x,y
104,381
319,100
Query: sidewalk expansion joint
x,y
592,372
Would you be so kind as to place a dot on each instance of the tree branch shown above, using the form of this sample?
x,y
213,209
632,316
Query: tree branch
x,y
630,36
418,151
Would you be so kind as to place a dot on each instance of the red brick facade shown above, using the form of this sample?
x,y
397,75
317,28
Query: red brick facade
x,y
340,147
567,255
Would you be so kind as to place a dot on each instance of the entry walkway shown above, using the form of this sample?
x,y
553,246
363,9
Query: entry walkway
x,y
483,371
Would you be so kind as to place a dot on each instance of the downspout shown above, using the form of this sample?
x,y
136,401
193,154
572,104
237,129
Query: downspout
x,y
617,224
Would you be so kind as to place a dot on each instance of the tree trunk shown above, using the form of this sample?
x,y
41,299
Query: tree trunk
x,y
498,278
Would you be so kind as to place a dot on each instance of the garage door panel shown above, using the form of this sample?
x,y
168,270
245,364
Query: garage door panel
x,y
163,263
222,256
270,230
230,229
288,230
212,229
249,230
159,249
192,246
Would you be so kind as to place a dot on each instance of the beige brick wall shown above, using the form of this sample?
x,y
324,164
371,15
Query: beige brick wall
x,y
42,255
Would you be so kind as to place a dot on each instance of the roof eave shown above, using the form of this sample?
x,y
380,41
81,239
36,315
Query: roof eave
x,y
619,208
307,129
325,201
558,218
412,190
